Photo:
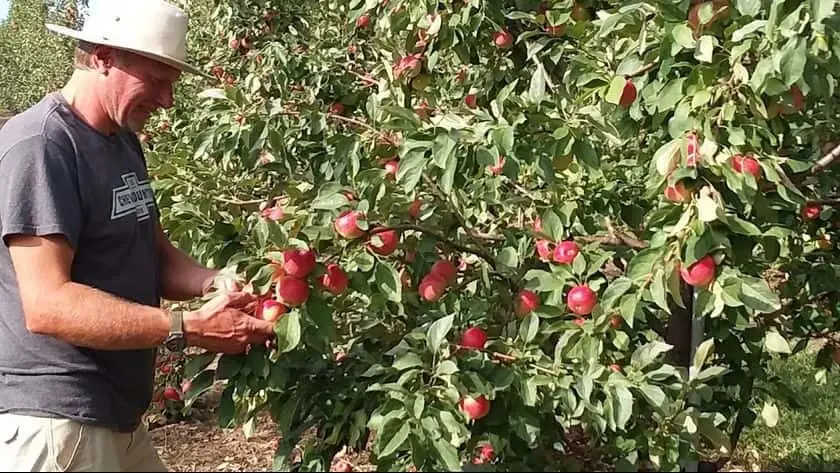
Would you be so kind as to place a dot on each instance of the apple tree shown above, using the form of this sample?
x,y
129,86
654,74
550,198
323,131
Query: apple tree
x,y
510,234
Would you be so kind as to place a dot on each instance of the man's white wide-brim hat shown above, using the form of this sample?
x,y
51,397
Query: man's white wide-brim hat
x,y
151,28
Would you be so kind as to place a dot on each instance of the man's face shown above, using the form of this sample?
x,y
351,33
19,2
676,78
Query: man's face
x,y
136,87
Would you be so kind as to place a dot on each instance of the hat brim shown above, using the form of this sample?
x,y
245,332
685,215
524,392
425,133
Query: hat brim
x,y
177,64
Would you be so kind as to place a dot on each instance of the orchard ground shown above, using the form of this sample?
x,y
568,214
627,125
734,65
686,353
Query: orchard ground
x,y
807,438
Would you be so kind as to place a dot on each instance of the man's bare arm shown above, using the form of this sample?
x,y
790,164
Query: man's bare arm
x,y
183,277
84,316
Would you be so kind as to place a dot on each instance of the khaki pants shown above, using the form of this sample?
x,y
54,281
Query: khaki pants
x,y
42,444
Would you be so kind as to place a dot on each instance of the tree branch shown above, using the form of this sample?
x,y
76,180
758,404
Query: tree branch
x,y
616,239
644,69
826,160
439,236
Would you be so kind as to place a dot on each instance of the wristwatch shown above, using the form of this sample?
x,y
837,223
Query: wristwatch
x,y
176,342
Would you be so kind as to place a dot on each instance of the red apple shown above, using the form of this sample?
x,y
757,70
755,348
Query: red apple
x,y
615,367
544,249
166,369
171,394
337,108
691,150
487,452
233,43
581,300
391,168
334,280
474,337
292,291
797,98
526,302
615,322
538,225
503,39
446,270
432,287
746,164
701,273
677,192
471,101
555,30
811,212
363,21
388,241
298,263
414,208
628,95
272,310
475,408
347,224
580,321
566,252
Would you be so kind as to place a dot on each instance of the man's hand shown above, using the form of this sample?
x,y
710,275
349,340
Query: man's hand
x,y
222,327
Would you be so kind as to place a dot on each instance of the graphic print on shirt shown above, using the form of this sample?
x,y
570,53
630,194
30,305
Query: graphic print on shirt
x,y
135,197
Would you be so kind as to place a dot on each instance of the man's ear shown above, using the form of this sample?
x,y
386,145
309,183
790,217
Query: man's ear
x,y
104,58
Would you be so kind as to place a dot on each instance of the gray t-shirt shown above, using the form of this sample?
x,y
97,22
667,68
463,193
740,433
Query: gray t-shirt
x,y
58,175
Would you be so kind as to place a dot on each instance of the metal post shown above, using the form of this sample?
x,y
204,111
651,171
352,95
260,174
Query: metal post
x,y
697,333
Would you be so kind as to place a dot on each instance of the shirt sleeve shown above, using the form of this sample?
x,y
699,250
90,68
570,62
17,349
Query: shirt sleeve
x,y
39,192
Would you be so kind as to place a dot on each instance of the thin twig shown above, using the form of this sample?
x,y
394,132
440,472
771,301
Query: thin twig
x,y
229,200
643,70
826,160
617,239
508,358
439,236
355,122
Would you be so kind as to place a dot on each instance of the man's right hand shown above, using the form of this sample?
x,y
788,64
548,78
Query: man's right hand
x,y
222,326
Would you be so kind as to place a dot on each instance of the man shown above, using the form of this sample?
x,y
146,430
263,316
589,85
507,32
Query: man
x,y
84,263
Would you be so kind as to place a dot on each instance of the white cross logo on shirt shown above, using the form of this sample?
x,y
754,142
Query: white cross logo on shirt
x,y
135,197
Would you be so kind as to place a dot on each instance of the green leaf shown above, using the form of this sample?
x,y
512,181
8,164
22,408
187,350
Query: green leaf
x,y
438,331
508,257
648,353
658,290
546,282
198,363
757,295
408,360
705,49
322,314
623,405
287,330
821,9
410,169
793,61
388,281
683,36
776,343
229,366
641,266
748,7
198,386
443,148
586,154
617,288
447,454
397,440
654,395
329,201
536,91
702,353
529,327
670,95
616,90
448,177
738,225
552,225
446,367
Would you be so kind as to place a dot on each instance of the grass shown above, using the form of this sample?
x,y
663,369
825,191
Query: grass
x,y
805,439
